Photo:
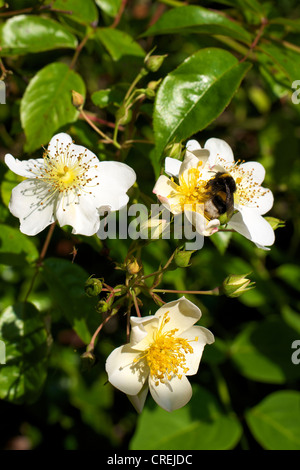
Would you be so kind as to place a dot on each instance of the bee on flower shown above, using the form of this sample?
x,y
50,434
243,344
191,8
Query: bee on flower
x,y
212,189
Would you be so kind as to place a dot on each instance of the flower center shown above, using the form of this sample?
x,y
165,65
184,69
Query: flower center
x,y
166,354
64,172
191,190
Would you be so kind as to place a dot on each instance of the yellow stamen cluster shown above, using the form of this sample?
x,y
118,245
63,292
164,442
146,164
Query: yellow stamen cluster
x,y
166,354
64,172
190,189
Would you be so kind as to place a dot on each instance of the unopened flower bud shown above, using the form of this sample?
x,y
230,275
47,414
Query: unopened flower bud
x,y
182,258
236,284
149,93
174,150
132,266
93,287
123,115
77,99
154,84
102,306
275,223
154,62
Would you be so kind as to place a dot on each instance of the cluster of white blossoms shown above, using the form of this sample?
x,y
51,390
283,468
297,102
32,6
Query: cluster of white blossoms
x,y
69,185
189,194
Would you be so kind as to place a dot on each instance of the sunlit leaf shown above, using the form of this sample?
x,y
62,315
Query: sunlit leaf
x,y
22,34
23,332
47,104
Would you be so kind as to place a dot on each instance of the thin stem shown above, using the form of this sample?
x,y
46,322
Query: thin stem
x,y
214,291
91,345
119,14
46,243
162,269
135,303
104,136
140,75
264,23
78,50
40,260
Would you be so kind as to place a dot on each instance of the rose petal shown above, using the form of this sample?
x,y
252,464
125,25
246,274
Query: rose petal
x,y
253,226
202,225
138,400
140,328
220,151
182,313
26,168
30,202
172,166
58,144
123,373
192,145
172,394
204,336
255,169
78,212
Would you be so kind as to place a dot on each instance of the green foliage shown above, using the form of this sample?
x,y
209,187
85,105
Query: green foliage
x,y
48,95
194,427
66,285
149,77
195,94
26,342
27,34
274,421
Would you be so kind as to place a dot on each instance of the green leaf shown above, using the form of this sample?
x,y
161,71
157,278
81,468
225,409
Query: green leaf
x,y
16,249
82,12
65,281
262,352
290,24
118,43
23,331
200,425
194,19
103,98
195,94
28,33
275,421
48,99
287,60
110,7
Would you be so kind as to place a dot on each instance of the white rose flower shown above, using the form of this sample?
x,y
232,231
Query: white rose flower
x,y
164,348
251,200
70,185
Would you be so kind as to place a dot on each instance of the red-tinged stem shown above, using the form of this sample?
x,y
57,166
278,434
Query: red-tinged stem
x,y
119,14
264,23
92,342
136,304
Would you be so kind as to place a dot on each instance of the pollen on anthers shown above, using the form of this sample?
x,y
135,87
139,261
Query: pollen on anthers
x,y
166,355
247,189
65,171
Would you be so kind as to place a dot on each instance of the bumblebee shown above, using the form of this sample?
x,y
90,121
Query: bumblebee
x,y
220,197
